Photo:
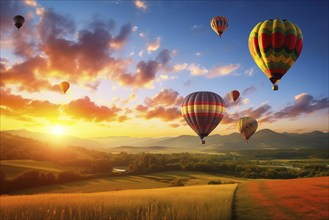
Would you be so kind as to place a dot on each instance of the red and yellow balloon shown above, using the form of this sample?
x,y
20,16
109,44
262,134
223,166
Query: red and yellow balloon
x,y
275,46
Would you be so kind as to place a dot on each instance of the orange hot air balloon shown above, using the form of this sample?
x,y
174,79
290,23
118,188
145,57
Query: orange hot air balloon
x,y
234,95
219,24
18,21
64,86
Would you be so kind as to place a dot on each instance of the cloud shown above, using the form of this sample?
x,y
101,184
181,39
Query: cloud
x,y
165,114
119,41
85,109
250,71
257,113
179,67
223,70
145,74
249,90
304,104
140,4
197,28
25,109
153,46
196,70
27,75
166,97
188,83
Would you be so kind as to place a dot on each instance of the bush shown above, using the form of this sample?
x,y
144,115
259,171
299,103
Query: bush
x,y
179,181
214,182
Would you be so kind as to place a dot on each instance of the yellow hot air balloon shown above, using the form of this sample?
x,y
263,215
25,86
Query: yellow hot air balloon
x,y
275,45
219,24
247,126
64,86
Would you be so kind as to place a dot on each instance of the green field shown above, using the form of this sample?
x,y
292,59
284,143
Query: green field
x,y
156,180
190,202
14,167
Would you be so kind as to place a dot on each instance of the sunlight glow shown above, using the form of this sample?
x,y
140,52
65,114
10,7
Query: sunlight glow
x,y
58,130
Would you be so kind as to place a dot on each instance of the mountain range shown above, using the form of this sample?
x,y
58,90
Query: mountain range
x,y
263,139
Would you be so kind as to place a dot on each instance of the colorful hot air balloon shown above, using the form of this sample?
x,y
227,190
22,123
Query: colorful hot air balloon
x,y
247,126
64,86
203,111
18,21
275,45
234,95
219,24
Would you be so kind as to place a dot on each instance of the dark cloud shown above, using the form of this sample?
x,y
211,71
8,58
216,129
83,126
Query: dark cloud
x,y
164,57
122,38
304,104
55,26
146,72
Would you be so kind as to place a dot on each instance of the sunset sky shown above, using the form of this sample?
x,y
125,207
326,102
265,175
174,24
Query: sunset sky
x,y
131,63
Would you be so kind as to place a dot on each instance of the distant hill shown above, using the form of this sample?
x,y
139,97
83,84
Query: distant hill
x,y
263,139
64,140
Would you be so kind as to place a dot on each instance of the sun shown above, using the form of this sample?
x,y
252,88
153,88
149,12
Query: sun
x,y
57,130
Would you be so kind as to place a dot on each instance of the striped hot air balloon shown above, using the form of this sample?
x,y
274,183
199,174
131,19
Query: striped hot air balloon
x,y
219,24
203,111
247,126
275,45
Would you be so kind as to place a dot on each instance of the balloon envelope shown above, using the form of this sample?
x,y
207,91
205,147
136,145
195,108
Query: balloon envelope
x,y
234,95
203,111
18,21
219,24
64,86
275,45
247,126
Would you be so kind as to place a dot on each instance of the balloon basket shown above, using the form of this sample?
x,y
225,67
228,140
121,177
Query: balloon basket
x,y
275,87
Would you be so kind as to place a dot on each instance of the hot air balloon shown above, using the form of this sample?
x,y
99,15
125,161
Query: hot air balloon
x,y
64,86
247,126
203,111
18,21
234,95
275,45
219,24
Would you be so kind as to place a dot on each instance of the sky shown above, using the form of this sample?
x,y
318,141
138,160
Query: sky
x,y
131,63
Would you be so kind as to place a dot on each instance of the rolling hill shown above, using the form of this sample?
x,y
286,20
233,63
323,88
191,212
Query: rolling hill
x,y
263,139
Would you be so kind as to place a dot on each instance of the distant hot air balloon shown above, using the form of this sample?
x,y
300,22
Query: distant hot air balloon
x,y
219,24
247,126
234,95
64,86
275,45
203,111
18,21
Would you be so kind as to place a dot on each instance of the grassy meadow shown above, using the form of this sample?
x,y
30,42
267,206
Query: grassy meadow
x,y
189,202
14,167
147,181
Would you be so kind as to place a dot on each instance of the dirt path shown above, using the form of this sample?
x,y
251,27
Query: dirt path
x,y
301,199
